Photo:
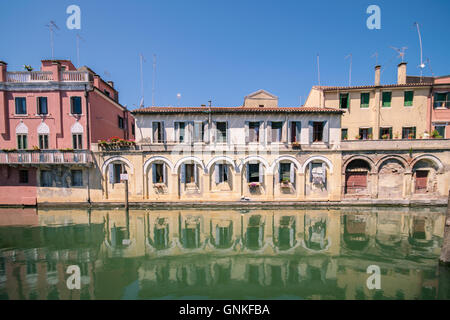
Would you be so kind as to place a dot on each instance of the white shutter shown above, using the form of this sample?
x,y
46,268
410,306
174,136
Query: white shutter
x,y
292,173
247,168
262,132
270,133
183,173
217,173
177,130
111,173
261,173
165,173
324,173
310,172
247,132
163,132
213,132
196,174
326,131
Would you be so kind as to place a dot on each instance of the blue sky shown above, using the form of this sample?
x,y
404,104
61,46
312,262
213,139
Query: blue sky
x,y
223,50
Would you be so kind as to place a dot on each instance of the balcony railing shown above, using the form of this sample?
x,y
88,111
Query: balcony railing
x,y
46,157
25,76
74,76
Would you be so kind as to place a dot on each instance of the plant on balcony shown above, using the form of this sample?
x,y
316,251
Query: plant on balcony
x,y
28,68
254,185
9,150
397,135
411,136
66,150
296,145
346,137
116,143
36,148
435,135
370,136
385,136
285,182
357,137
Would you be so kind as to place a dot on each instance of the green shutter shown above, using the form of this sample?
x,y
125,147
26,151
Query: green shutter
x,y
390,133
387,99
409,95
370,133
365,96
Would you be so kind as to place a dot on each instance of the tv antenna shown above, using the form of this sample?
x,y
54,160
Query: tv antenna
x,y
427,63
401,52
142,60
350,72
153,80
78,48
422,65
376,58
318,69
52,26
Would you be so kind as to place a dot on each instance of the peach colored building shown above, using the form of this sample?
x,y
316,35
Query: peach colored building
x,y
52,116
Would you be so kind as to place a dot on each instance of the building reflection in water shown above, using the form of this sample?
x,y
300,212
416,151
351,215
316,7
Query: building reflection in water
x,y
306,253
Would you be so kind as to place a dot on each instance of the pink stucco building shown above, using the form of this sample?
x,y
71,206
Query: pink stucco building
x,y
49,117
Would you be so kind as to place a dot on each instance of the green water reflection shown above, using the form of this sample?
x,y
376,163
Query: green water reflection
x,y
221,254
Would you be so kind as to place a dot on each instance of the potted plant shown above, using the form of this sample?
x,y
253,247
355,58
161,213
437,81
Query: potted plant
x,y
285,182
369,136
411,136
435,135
36,148
385,136
27,68
9,150
357,137
296,145
345,137
396,136
253,185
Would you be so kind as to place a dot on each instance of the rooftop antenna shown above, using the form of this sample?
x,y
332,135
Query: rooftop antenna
x,y
422,65
350,72
318,69
376,58
429,66
153,81
142,60
52,26
401,52
78,48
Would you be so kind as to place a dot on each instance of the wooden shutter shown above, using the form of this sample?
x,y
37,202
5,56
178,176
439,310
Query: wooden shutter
x,y
183,173
165,173
247,132
217,173
262,132
270,133
261,173
111,173
154,173
310,128
310,172
196,174
292,173
326,131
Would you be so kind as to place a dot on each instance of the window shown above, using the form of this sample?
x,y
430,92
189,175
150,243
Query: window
x,y
344,134
221,173
408,99
441,130
180,127
221,132
442,100
386,133
296,127
253,134
317,131
285,172
199,131
408,132
157,128
365,97
22,142
120,122
75,105
21,105
117,169
277,131
42,105
106,92
46,178
77,178
158,173
77,141
23,176
43,141
386,97
133,130
253,172
190,172
365,133
261,106
344,101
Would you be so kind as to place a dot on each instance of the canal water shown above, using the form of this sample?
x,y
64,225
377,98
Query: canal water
x,y
304,253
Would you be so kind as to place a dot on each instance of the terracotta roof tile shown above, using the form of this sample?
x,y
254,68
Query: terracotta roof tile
x,y
236,110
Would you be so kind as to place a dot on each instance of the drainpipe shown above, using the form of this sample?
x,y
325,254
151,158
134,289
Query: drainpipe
x,y
430,108
88,137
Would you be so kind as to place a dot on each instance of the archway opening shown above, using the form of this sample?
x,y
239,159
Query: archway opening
x,y
357,177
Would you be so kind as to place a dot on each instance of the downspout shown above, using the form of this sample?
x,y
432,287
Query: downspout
x,y
88,138
430,108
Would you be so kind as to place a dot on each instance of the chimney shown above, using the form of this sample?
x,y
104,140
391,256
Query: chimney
x,y
203,105
401,73
377,75
111,83
3,68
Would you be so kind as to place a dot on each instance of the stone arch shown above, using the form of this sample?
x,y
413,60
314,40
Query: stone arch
x,y
391,171
77,128
430,158
183,160
120,159
357,176
424,171
255,158
318,158
149,161
43,129
390,157
285,158
359,157
221,158
21,128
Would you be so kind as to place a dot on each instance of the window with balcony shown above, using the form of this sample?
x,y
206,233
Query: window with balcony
x,y
344,134
408,98
253,131
386,133
365,133
46,178
75,105
22,142
43,141
285,172
277,129
344,101
23,176
296,127
77,178
408,132
365,97
42,108
158,174
190,173
158,133
21,105
386,99
77,141
221,132
318,131
442,100
120,122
